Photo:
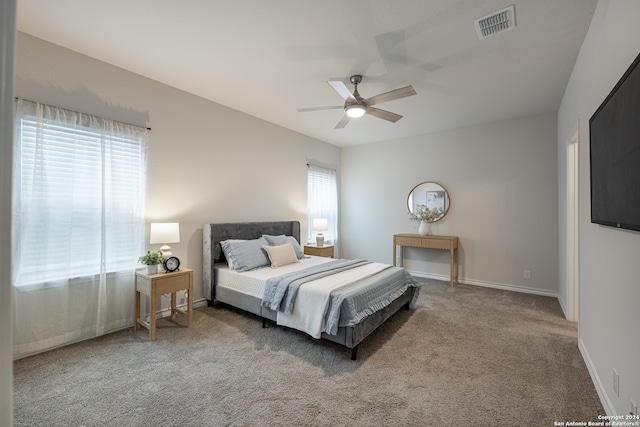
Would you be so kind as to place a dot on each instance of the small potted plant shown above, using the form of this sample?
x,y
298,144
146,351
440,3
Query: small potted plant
x,y
151,260
425,216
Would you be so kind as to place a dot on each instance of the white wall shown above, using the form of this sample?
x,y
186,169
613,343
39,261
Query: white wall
x,y
7,46
206,162
609,323
502,181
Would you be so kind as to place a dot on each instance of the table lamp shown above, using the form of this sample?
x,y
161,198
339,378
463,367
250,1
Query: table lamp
x,y
320,225
163,233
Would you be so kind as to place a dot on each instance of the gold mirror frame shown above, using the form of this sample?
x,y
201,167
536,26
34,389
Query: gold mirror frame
x,y
430,194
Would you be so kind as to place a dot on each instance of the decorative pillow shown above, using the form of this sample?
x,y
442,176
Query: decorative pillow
x,y
247,255
281,255
282,239
226,255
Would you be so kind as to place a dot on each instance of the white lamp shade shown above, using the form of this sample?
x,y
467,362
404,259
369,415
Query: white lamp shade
x,y
164,232
320,224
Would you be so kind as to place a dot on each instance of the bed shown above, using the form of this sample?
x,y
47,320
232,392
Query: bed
x,y
245,287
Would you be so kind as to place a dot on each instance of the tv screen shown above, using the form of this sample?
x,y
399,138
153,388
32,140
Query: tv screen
x,y
614,131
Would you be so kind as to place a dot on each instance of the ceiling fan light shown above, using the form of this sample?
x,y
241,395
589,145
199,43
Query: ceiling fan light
x,y
355,111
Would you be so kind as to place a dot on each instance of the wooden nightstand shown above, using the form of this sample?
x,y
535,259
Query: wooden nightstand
x,y
154,285
326,250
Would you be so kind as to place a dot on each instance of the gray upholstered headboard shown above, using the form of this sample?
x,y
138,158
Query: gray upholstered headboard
x,y
213,234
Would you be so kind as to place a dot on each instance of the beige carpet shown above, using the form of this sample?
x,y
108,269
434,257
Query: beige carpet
x,y
465,356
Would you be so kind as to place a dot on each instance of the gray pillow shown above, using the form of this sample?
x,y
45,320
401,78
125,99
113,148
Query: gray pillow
x,y
282,239
247,255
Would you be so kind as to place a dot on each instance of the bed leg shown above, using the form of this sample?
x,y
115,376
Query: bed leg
x,y
407,306
354,352
264,322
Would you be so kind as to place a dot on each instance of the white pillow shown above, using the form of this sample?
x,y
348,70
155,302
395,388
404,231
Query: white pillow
x,y
282,239
281,255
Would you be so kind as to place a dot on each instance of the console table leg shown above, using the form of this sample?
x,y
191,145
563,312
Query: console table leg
x,y
452,264
456,263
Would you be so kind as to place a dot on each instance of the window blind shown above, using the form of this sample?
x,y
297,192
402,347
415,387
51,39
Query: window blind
x,y
322,201
81,195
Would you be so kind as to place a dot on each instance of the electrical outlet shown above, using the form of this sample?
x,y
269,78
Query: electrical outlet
x,y
616,383
527,274
634,409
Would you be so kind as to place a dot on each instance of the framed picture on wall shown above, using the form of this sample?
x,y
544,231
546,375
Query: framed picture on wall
x,y
435,200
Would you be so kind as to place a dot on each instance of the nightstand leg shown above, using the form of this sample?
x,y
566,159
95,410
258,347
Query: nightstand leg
x,y
152,318
173,305
190,303
136,326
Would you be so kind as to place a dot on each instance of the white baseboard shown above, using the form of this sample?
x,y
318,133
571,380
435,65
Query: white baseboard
x,y
563,306
502,286
600,389
159,313
167,311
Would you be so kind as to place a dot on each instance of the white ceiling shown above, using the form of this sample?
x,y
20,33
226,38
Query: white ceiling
x,y
269,58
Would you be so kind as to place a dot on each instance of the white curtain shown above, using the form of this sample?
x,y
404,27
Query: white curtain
x,y
78,225
322,202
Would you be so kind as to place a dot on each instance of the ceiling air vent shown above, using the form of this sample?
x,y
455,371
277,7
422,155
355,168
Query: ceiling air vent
x,y
495,22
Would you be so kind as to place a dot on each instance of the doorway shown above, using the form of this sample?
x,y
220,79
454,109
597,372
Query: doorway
x,y
572,261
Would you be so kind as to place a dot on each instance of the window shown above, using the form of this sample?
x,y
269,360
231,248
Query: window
x,y
79,185
322,202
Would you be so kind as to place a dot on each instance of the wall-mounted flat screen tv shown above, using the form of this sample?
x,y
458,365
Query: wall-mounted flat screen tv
x,y
614,135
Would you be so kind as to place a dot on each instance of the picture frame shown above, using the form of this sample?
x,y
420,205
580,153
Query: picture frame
x,y
436,200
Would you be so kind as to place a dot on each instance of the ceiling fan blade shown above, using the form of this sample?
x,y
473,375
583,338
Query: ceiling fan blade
x,y
383,114
342,90
333,107
343,122
402,92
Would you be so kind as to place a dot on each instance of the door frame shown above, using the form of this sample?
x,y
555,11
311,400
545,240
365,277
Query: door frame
x,y
573,226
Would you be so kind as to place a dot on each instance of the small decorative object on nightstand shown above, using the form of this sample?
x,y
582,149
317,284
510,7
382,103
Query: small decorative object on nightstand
x,y
171,264
154,285
320,225
151,260
325,250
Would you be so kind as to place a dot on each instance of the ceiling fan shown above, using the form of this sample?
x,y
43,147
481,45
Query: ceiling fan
x,y
356,106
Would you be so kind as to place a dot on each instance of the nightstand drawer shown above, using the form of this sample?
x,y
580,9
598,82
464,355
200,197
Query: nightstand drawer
x,y
172,283
326,250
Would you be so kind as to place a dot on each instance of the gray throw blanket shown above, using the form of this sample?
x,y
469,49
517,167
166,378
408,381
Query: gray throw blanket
x,y
348,305
280,292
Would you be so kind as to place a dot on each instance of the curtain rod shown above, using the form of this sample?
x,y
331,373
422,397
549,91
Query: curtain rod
x,y
78,112
318,166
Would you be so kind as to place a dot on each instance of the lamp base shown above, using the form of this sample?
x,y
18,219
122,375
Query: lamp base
x,y
319,240
166,253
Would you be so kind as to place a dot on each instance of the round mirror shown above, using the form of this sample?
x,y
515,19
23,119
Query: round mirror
x,y
428,201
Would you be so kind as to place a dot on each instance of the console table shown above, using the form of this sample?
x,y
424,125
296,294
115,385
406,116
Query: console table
x,y
448,243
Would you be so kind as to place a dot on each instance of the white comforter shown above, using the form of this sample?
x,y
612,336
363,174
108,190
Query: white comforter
x,y
313,298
